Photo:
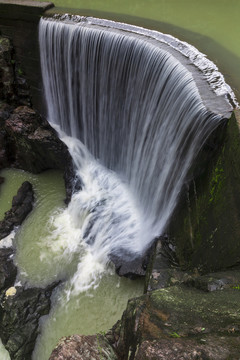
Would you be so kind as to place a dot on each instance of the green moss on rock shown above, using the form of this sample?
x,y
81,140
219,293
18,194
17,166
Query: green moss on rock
x,y
206,228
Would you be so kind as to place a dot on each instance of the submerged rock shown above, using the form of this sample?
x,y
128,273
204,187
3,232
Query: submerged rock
x,y
22,204
80,347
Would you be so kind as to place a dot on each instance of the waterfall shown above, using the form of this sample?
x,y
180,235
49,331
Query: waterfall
x,y
133,119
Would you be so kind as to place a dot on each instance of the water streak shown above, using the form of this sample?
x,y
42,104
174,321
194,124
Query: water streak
x,y
133,120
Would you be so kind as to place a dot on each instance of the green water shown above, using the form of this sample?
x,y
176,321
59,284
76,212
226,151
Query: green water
x,y
48,187
93,311
213,26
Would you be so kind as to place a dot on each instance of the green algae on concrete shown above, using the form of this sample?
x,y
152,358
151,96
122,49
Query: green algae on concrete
x,y
206,229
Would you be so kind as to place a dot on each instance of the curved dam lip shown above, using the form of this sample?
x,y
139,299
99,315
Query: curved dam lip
x,y
216,95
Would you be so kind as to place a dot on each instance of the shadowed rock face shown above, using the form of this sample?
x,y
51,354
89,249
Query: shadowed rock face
x,y
33,144
27,141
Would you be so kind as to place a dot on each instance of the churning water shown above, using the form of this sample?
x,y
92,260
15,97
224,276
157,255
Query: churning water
x,y
133,119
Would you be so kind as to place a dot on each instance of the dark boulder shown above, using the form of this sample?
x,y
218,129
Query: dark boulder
x,y
180,322
33,145
21,206
130,265
20,311
8,271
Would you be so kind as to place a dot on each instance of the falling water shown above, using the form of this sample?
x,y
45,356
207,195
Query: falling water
x,y
133,119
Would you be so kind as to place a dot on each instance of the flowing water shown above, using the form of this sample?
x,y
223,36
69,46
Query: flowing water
x,y
137,110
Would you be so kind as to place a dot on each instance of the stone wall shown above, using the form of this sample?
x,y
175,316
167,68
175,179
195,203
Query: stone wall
x,y
19,21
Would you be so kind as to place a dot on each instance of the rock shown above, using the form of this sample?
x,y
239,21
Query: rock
x,y
8,271
13,86
215,348
21,206
129,266
11,291
205,227
80,347
163,269
27,141
19,319
1,180
215,281
33,145
181,323
6,71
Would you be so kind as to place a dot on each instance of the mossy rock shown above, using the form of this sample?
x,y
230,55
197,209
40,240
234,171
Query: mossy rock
x,y
186,319
206,226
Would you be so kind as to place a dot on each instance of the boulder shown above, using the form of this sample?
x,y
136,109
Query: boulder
x,y
80,347
28,142
129,266
8,271
21,206
205,227
20,311
181,322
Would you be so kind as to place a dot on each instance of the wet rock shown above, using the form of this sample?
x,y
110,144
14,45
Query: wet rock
x,y
33,145
181,323
205,225
8,271
13,86
176,349
163,269
6,71
27,141
80,347
21,206
5,111
129,266
215,281
20,311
